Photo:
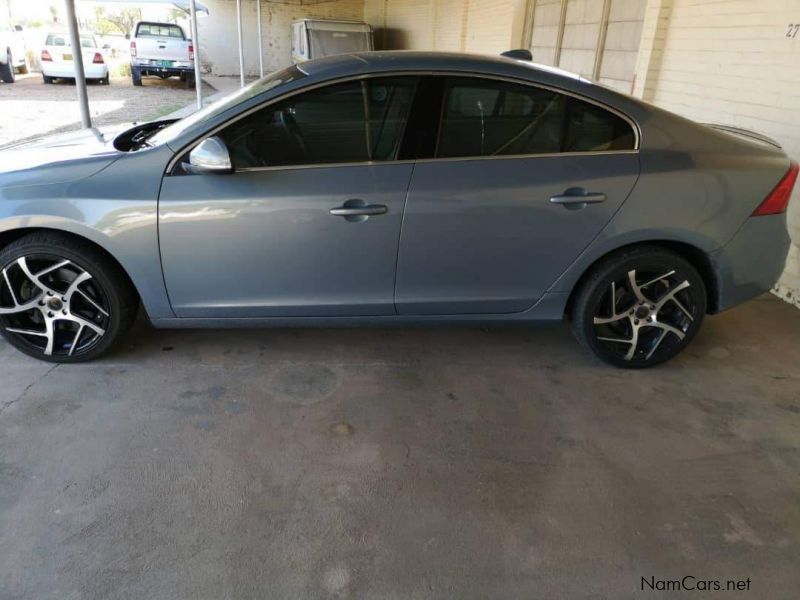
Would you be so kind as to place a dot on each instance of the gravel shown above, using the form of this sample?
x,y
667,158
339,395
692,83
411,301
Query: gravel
x,y
29,108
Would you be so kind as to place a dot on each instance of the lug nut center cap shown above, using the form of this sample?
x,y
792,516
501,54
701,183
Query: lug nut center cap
x,y
54,304
642,312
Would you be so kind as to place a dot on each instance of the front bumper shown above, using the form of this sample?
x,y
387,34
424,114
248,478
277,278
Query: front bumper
x,y
752,262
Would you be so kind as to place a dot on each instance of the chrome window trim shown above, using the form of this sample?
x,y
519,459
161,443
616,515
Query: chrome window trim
x,y
631,122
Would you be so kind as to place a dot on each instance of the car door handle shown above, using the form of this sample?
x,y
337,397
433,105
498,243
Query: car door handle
x,y
568,198
367,210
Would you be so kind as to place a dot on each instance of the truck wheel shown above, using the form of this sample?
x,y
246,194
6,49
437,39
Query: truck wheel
x,y
47,79
7,70
136,76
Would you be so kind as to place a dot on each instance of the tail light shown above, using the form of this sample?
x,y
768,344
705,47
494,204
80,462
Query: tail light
x,y
98,59
133,48
46,56
778,199
191,52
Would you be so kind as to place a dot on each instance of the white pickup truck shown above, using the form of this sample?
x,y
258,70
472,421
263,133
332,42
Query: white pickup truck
x,y
162,50
12,52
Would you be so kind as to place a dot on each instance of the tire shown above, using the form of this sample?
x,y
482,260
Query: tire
x,y
71,303
136,77
639,307
47,79
106,80
7,70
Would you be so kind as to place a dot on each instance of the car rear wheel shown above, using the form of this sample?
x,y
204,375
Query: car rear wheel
x,y
136,77
62,301
640,307
47,79
7,69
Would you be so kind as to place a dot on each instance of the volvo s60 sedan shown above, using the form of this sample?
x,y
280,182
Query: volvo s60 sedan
x,y
387,188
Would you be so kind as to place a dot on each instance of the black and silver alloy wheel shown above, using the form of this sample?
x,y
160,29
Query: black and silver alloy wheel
x,y
641,309
52,304
62,300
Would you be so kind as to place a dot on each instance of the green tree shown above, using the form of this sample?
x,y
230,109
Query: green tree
x,y
121,20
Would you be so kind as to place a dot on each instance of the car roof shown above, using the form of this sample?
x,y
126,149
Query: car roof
x,y
405,60
362,63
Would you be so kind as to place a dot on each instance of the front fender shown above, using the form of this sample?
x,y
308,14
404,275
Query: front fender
x,y
117,209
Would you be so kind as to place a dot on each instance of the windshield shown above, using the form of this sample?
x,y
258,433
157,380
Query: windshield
x,y
220,106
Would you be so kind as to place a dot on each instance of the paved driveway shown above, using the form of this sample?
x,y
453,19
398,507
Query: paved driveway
x,y
29,108
413,463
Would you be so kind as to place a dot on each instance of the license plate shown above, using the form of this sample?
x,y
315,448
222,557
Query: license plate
x,y
164,63
66,56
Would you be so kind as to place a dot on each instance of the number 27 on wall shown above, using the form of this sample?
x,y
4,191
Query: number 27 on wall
x,y
793,29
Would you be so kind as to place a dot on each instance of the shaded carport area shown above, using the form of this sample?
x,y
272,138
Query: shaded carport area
x,y
404,463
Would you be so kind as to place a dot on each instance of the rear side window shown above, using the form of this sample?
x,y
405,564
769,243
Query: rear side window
x,y
157,30
496,118
356,121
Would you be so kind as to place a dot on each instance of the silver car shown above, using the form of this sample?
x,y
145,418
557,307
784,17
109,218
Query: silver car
x,y
394,188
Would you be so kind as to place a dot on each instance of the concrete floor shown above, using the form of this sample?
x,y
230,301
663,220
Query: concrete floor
x,y
402,464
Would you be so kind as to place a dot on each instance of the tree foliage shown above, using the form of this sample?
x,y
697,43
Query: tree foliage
x,y
121,20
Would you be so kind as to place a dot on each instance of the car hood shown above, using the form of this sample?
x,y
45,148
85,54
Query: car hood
x,y
59,158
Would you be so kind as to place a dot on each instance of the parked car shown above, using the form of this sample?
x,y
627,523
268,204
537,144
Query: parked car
x,y
315,38
57,59
12,52
162,50
387,188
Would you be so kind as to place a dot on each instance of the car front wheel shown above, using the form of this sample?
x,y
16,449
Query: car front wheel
x,y
62,300
640,307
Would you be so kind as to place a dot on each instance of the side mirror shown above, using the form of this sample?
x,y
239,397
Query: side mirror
x,y
127,36
106,46
210,156
18,28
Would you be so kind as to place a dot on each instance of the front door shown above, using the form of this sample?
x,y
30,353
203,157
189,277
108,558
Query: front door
x,y
522,179
309,222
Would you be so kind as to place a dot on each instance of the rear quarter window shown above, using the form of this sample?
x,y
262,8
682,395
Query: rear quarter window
x,y
156,30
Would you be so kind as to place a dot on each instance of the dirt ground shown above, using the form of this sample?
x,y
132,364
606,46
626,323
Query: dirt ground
x,y
29,108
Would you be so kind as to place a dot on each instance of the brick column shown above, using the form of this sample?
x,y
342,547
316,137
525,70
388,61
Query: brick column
x,y
651,48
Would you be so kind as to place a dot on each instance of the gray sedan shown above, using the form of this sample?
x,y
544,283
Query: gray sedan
x,y
394,188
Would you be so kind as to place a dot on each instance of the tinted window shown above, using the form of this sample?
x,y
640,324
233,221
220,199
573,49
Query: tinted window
x,y
355,121
593,129
494,118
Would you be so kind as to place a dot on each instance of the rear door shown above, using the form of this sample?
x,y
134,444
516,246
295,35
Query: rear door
x,y
521,180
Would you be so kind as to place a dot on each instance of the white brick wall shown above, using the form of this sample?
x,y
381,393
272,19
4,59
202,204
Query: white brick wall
x,y
624,33
729,61
481,26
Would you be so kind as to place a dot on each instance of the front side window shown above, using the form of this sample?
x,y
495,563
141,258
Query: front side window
x,y
497,118
355,121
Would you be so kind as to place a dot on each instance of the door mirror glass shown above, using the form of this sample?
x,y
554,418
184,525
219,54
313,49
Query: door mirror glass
x,y
210,156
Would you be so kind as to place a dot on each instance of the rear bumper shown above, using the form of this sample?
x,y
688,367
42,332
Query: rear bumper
x,y
91,70
752,262
151,67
